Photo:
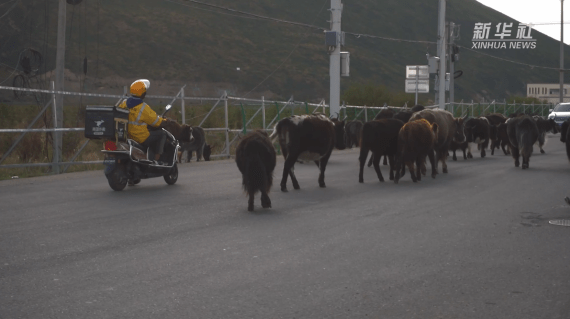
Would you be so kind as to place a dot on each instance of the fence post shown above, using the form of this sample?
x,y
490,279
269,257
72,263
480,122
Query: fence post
x,y
292,107
354,115
244,130
227,123
212,109
183,111
365,114
56,146
263,110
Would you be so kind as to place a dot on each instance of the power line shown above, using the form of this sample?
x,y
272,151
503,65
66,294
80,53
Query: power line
x,y
358,35
244,14
287,58
250,14
1,4
257,16
215,11
12,7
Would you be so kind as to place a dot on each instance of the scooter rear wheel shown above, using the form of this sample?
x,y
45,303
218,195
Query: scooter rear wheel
x,y
172,176
117,182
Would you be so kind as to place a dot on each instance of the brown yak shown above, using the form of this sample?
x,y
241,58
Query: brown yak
x,y
416,140
449,129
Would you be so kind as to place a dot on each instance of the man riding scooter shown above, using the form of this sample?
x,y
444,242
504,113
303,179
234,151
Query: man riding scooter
x,y
141,115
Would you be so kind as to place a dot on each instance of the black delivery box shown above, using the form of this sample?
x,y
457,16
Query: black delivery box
x,y
103,122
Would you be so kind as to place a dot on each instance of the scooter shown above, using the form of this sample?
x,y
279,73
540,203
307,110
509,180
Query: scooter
x,y
127,162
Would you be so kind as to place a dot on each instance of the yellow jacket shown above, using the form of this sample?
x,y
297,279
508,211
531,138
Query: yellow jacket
x,y
140,115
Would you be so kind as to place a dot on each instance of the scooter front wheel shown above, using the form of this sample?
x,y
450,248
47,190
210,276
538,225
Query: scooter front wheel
x,y
172,176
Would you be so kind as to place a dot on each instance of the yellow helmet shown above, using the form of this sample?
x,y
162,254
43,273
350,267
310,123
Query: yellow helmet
x,y
139,87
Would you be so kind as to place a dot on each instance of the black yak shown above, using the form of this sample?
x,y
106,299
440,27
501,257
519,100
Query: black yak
x,y
195,146
477,131
353,130
380,137
544,126
523,133
256,158
309,138
182,132
494,120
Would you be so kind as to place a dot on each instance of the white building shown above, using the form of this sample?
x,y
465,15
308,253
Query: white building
x,y
549,92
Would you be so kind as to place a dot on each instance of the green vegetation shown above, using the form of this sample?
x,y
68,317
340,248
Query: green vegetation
x,y
38,147
192,44
378,95
524,99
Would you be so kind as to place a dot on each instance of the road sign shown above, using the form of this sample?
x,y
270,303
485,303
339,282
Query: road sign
x,y
423,86
420,70
417,79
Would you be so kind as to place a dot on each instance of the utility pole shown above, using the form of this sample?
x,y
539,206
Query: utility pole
x,y
441,48
451,26
59,83
561,51
453,35
336,14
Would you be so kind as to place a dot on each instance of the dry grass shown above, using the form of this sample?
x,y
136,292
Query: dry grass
x,y
38,147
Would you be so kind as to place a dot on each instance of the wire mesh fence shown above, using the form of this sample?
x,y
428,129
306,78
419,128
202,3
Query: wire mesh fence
x,y
224,119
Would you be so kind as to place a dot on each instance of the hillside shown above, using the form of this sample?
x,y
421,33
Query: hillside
x,y
185,43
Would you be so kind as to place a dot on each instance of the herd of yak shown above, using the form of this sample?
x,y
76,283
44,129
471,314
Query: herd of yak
x,y
404,139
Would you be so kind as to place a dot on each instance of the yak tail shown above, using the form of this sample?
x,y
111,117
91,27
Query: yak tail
x,y
435,129
525,144
255,177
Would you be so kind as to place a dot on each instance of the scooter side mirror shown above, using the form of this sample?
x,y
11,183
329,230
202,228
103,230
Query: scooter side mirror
x,y
168,107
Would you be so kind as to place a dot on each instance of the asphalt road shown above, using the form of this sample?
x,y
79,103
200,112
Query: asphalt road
x,y
473,243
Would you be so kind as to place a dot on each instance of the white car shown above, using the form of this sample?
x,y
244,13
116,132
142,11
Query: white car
x,y
560,113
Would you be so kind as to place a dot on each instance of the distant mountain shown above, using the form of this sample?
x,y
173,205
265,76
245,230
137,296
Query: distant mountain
x,y
180,42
